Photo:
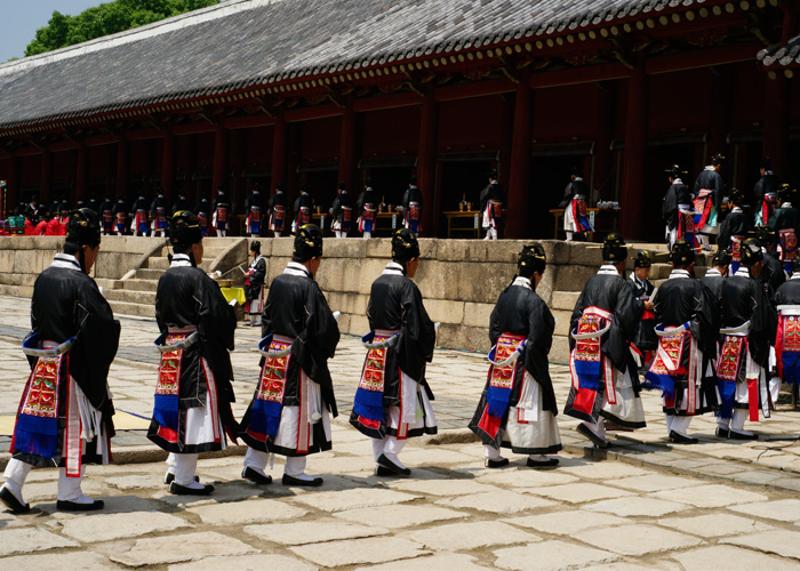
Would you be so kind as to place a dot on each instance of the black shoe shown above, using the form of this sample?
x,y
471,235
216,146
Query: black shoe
x,y
12,503
389,465
723,433
496,463
178,490
292,481
170,477
67,506
549,463
384,472
256,477
739,436
596,440
677,438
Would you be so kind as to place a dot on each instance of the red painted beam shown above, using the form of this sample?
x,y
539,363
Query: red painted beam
x,y
468,90
195,128
31,150
248,122
100,140
706,57
387,101
143,134
316,112
578,75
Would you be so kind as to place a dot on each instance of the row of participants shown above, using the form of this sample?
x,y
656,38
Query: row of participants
x,y
712,355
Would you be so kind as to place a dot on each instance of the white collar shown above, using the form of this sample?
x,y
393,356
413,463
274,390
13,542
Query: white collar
x,y
66,261
795,276
578,179
297,269
393,269
677,181
768,173
787,205
678,273
608,270
522,282
181,261
713,273
710,168
742,272
737,209
254,262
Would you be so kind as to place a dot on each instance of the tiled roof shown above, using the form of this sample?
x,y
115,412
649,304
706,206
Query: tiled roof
x,y
243,43
782,55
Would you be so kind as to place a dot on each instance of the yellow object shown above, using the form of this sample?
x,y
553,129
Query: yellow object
x,y
232,293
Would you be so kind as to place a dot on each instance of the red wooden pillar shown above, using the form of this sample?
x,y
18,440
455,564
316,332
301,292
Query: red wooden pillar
x,y
79,188
347,142
278,173
519,176
10,198
776,123
721,100
633,168
603,167
122,169
168,166
218,172
44,178
426,165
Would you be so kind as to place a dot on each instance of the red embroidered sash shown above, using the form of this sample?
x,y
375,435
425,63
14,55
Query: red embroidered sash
x,y
169,370
703,205
41,395
788,244
272,384
222,214
730,357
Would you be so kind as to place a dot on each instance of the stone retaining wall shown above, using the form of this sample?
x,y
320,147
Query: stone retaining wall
x,y
22,258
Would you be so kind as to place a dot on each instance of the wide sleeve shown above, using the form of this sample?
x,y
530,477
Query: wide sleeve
x,y
494,324
418,329
322,330
627,311
707,312
260,273
541,326
669,206
724,238
762,324
217,318
96,346
577,312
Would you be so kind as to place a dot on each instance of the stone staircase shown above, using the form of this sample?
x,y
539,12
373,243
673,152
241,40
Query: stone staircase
x,y
135,294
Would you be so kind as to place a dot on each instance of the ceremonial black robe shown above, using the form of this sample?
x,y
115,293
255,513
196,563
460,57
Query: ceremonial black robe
x,y
788,293
256,278
67,303
187,297
412,194
735,224
366,197
743,300
772,275
304,200
677,193
277,199
713,281
254,199
573,187
182,203
787,216
342,200
645,338
491,192
202,207
765,185
710,179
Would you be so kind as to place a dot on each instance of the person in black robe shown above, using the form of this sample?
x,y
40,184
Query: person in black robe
x,y
65,416
787,226
121,226
255,209
491,199
645,340
518,408
709,189
577,225
677,210
734,229
787,346
139,224
106,216
203,212
192,405
222,211
605,381
772,276
746,315
688,322
716,274
158,214
277,212
393,399
367,206
303,208
411,207
342,212
254,284
290,414
765,194
182,203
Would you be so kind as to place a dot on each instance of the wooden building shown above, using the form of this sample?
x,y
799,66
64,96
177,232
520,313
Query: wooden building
x,y
310,92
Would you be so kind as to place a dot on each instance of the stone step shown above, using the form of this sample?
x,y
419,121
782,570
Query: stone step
x,y
140,285
157,263
565,300
131,296
134,309
149,274
559,351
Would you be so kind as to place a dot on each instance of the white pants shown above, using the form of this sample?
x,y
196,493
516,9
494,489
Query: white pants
x,y
389,447
221,233
340,234
774,389
183,467
367,235
736,423
69,489
679,424
491,233
258,460
598,428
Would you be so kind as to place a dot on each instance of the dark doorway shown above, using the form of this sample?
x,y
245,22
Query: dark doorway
x,y
389,182
659,158
461,179
548,179
321,184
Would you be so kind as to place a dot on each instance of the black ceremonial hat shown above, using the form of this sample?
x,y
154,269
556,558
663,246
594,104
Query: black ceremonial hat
x,y
717,159
642,259
721,258
405,245
83,228
675,171
681,253
614,249
533,257
307,243
751,252
184,229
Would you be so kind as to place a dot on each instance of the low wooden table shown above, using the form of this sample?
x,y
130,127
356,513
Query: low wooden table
x,y
454,216
605,221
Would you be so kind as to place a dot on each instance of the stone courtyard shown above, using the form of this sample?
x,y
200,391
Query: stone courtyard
x,y
641,504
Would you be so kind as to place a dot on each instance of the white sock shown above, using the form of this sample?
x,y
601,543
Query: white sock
x,y
296,468
377,447
367,235
723,423
598,428
774,389
392,448
538,457
680,424
185,466
740,415
669,422
69,489
491,453
15,475
256,460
